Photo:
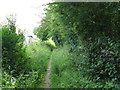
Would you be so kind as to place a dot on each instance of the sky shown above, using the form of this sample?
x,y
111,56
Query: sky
x,y
28,12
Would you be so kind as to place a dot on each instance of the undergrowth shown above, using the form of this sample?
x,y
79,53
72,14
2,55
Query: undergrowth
x,y
35,69
68,71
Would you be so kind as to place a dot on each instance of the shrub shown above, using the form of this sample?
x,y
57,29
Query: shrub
x,y
29,80
104,59
14,57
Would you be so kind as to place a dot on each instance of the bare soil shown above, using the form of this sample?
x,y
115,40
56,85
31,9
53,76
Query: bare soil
x,y
47,77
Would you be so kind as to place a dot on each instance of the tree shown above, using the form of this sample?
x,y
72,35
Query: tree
x,y
12,49
92,25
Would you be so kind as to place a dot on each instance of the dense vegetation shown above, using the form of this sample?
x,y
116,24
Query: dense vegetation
x,y
80,39
23,66
92,32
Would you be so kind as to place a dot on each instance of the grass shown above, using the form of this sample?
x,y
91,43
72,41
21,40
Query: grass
x,y
60,62
39,56
35,68
64,72
67,71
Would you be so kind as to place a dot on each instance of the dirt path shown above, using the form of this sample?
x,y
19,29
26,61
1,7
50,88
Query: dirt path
x,y
47,77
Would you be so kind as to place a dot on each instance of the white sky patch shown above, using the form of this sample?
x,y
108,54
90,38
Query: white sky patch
x,y
28,12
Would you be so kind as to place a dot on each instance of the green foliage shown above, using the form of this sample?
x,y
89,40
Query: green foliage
x,y
39,55
8,81
67,21
104,59
67,71
87,53
92,30
50,43
23,66
35,68
29,80
60,62
14,56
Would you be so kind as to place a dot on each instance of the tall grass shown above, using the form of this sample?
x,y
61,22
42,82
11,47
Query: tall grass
x,y
60,63
39,55
35,68
67,71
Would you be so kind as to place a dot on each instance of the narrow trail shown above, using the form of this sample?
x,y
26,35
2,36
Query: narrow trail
x,y
47,77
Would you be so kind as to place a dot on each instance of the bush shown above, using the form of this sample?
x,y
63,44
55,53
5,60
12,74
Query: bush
x,y
29,80
8,81
66,71
14,57
74,71
34,69
104,59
